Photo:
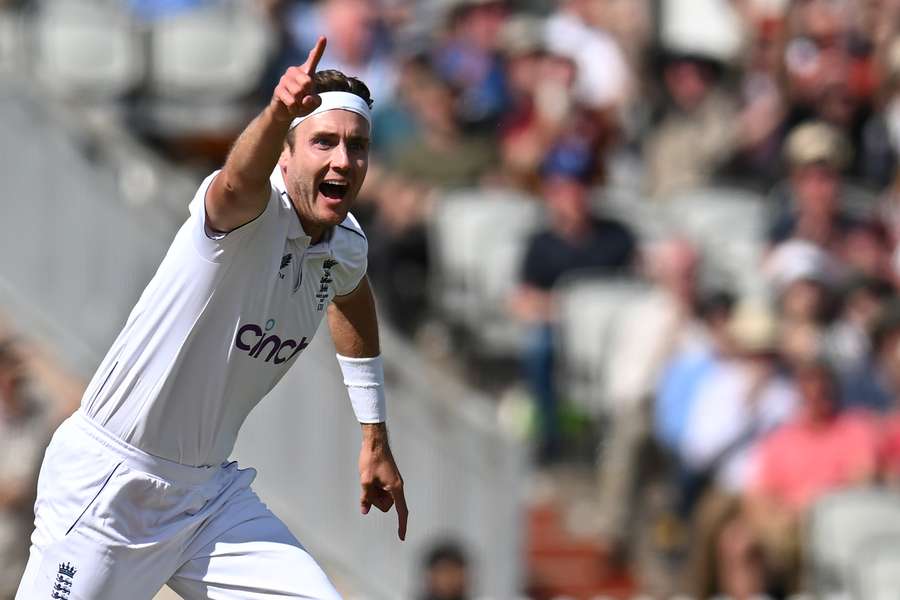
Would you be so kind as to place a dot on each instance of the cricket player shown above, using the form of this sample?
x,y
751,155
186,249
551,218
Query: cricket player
x,y
135,490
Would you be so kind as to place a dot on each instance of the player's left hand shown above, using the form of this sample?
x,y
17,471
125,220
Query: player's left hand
x,y
382,485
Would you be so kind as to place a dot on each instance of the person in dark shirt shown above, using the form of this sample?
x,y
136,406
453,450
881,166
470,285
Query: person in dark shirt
x,y
574,240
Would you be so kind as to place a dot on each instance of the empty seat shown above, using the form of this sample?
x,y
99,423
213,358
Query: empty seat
x,y
11,27
503,242
215,52
877,569
477,239
840,526
86,51
728,225
590,310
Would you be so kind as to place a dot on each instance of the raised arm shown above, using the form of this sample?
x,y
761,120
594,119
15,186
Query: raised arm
x,y
354,329
240,192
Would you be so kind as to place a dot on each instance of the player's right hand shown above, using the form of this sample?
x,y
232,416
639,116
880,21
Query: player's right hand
x,y
295,95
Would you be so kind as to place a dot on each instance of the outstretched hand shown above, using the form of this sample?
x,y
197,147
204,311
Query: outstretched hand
x,y
295,95
382,485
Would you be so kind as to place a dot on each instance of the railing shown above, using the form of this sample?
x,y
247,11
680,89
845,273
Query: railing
x,y
74,258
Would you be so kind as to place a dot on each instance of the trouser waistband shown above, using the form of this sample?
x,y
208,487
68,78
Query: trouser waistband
x,y
137,458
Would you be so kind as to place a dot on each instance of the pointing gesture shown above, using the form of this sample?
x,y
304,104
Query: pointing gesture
x,y
295,95
382,485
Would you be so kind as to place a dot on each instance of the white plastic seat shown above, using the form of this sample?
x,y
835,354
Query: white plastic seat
x,y
213,53
590,310
840,526
86,51
729,227
11,26
477,239
504,240
877,569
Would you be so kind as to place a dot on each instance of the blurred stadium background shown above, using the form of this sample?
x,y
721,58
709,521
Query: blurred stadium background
x,y
637,264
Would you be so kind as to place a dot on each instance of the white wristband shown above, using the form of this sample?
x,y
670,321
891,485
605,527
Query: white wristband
x,y
364,378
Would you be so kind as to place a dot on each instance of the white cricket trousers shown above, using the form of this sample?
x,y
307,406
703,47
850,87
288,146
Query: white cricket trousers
x,y
115,523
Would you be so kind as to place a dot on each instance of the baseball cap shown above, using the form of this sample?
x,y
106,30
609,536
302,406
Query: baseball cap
x,y
817,142
571,159
753,327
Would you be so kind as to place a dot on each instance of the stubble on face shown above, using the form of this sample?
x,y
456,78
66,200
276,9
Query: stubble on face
x,y
329,147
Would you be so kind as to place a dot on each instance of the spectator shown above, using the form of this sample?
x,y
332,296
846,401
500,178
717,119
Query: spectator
x,y
603,78
23,436
816,154
803,276
847,342
819,450
737,403
468,59
438,156
875,385
542,98
573,240
688,367
446,573
652,329
358,43
866,249
763,110
698,116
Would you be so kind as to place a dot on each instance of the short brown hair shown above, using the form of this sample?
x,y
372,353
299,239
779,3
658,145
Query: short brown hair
x,y
332,80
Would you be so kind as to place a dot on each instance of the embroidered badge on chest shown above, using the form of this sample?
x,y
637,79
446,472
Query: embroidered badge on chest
x,y
324,282
62,586
285,261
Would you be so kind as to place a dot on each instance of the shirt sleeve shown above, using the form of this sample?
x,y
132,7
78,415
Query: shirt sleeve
x,y
352,258
765,479
216,246
533,271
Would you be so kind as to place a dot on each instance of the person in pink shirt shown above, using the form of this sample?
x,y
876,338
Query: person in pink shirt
x,y
819,450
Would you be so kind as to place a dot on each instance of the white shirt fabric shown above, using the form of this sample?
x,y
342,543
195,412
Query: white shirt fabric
x,y
723,411
602,76
220,323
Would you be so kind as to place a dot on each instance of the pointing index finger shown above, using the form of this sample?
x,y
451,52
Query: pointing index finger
x,y
315,55
402,511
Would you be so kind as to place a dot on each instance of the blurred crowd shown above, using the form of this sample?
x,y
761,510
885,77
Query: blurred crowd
x,y
745,403
752,405
34,396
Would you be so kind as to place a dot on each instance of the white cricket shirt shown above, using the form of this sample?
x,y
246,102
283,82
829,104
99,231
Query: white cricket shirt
x,y
220,323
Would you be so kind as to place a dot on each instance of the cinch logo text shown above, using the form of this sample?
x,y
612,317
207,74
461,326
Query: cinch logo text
x,y
257,343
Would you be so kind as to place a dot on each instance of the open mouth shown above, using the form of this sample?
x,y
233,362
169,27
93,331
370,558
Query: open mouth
x,y
334,189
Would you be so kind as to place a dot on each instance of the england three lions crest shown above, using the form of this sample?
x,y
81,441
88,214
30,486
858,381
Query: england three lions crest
x,y
62,586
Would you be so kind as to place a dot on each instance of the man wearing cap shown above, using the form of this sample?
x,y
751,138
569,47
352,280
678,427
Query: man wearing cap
x,y
574,240
816,154
135,491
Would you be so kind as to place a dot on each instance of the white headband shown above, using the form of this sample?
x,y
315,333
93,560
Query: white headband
x,y
338,101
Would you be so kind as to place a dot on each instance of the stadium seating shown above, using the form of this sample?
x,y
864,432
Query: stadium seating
x,y
86,51
11,50
590,310
728,225
841,526
204,64
649,220
877,569
478,241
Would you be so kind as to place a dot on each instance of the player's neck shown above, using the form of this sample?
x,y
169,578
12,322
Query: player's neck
x,y
316,233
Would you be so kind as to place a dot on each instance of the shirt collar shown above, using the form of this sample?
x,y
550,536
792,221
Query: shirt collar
x,y
295,228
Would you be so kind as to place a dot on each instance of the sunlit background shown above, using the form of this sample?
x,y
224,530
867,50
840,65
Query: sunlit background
x,y
636,260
